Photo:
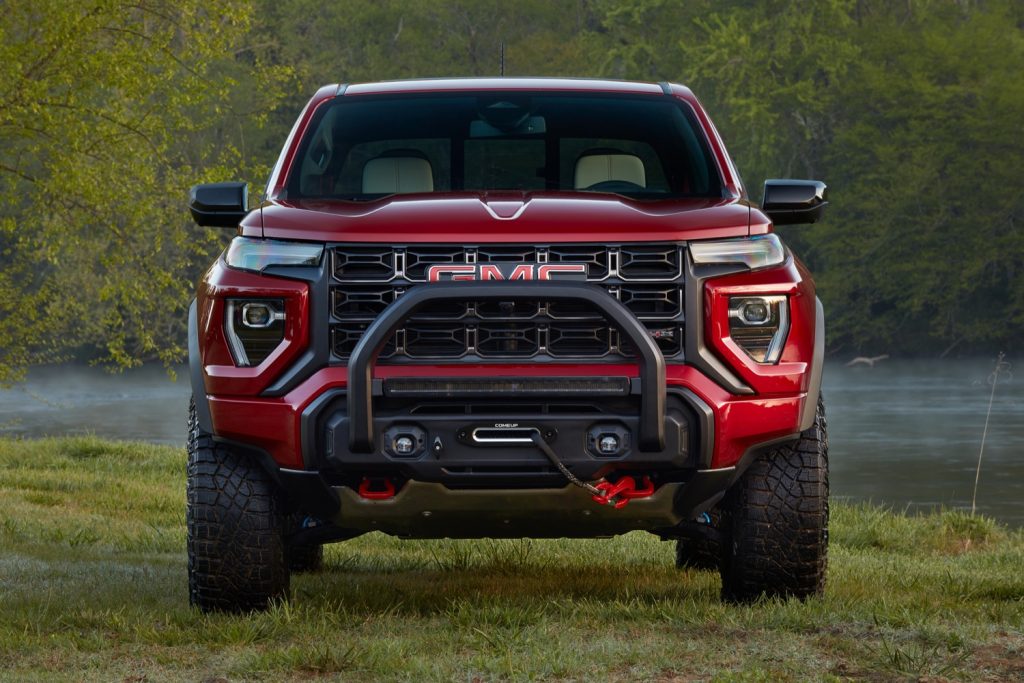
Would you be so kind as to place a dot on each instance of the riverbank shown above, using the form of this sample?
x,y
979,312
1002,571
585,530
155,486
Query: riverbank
x,y
92,587
906,433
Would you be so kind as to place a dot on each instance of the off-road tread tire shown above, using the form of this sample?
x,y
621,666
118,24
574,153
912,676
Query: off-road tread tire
x,y
702,552
777,519
235,529
304,557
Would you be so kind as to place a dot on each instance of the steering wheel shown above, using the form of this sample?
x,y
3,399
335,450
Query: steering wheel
x,y
615,186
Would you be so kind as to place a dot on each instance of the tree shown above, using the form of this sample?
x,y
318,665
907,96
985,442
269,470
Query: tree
x,y
910,111
109,110
926,252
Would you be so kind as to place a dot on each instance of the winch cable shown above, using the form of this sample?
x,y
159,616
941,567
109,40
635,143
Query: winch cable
x,y
540,443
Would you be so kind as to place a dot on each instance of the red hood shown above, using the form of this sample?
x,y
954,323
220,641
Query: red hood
x,y
501,217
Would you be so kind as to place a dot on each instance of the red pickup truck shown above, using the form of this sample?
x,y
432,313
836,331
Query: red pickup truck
x,y
503,308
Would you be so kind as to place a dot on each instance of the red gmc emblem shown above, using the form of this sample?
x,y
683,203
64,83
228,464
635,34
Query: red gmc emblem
x,y
470,272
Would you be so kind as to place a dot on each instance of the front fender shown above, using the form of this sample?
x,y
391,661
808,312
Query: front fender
x,y
195,371
817,364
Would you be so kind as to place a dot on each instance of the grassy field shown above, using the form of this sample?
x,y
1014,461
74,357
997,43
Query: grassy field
x,y
92,587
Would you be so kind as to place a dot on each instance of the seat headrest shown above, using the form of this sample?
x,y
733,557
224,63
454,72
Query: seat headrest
x,y
398,171
598,166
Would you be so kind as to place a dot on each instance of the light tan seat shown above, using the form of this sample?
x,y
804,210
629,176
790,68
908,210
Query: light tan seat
x,y
397,174
599,167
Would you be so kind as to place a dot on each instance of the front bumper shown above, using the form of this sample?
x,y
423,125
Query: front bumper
x,y
276,425
720,443
694,430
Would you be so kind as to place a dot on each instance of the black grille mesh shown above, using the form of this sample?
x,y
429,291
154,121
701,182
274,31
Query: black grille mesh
x,y
647,278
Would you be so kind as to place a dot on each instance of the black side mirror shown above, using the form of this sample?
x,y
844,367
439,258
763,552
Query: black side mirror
x,y
788,202
219,205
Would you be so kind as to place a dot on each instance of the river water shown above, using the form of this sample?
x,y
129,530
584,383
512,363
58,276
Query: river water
x,y
904,433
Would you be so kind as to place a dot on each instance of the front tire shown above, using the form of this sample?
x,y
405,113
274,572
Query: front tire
x,y
236,529
777,520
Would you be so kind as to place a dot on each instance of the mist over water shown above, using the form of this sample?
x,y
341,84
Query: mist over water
x,y
907,433
143,404
904,433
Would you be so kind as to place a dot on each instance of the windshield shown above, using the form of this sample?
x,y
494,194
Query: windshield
x,y
363,148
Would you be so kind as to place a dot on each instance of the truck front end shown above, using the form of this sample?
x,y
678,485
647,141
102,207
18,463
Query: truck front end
x,y
501,309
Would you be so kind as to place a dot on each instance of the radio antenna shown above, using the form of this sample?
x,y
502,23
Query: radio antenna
x,y
503,58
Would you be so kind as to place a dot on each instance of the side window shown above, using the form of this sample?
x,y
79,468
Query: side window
x,y
570,150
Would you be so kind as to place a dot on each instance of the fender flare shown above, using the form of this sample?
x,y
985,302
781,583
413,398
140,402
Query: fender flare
x,y
195,371
817,365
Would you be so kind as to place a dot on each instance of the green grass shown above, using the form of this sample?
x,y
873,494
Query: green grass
x,y
92,587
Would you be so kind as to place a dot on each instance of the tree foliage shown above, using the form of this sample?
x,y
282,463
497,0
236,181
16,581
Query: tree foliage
x,y
910,111
109,110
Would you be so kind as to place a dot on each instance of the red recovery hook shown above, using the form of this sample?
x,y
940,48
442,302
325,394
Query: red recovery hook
x,y
624,490
605,492
373,489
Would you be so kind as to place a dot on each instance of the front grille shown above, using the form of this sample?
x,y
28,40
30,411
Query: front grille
x,y
647,278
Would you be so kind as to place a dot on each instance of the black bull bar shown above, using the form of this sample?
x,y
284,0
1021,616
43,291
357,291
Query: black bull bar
x,y
651,432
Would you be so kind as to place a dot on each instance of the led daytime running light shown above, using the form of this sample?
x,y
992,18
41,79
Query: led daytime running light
x,y
246,253
753,252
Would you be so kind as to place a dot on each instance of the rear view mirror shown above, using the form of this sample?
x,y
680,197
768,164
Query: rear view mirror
x,y
789,202
531,125
220,205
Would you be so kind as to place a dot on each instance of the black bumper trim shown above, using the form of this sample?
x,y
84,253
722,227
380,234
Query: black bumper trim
x,y
317,450
703,490
360,367
706,425
310,492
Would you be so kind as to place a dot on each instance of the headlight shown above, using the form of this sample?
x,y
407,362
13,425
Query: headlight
x,y
246,253
759,325
254,328
753,252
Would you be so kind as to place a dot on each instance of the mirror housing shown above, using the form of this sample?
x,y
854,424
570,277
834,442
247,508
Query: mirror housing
x,y
789,202
219,205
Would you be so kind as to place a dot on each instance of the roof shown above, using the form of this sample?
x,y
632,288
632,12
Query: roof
x,y
512,84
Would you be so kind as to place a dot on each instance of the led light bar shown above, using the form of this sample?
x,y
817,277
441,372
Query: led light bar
x,y
449,387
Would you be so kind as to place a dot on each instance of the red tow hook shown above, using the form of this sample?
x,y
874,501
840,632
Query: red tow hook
x,y
377,488
624,490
